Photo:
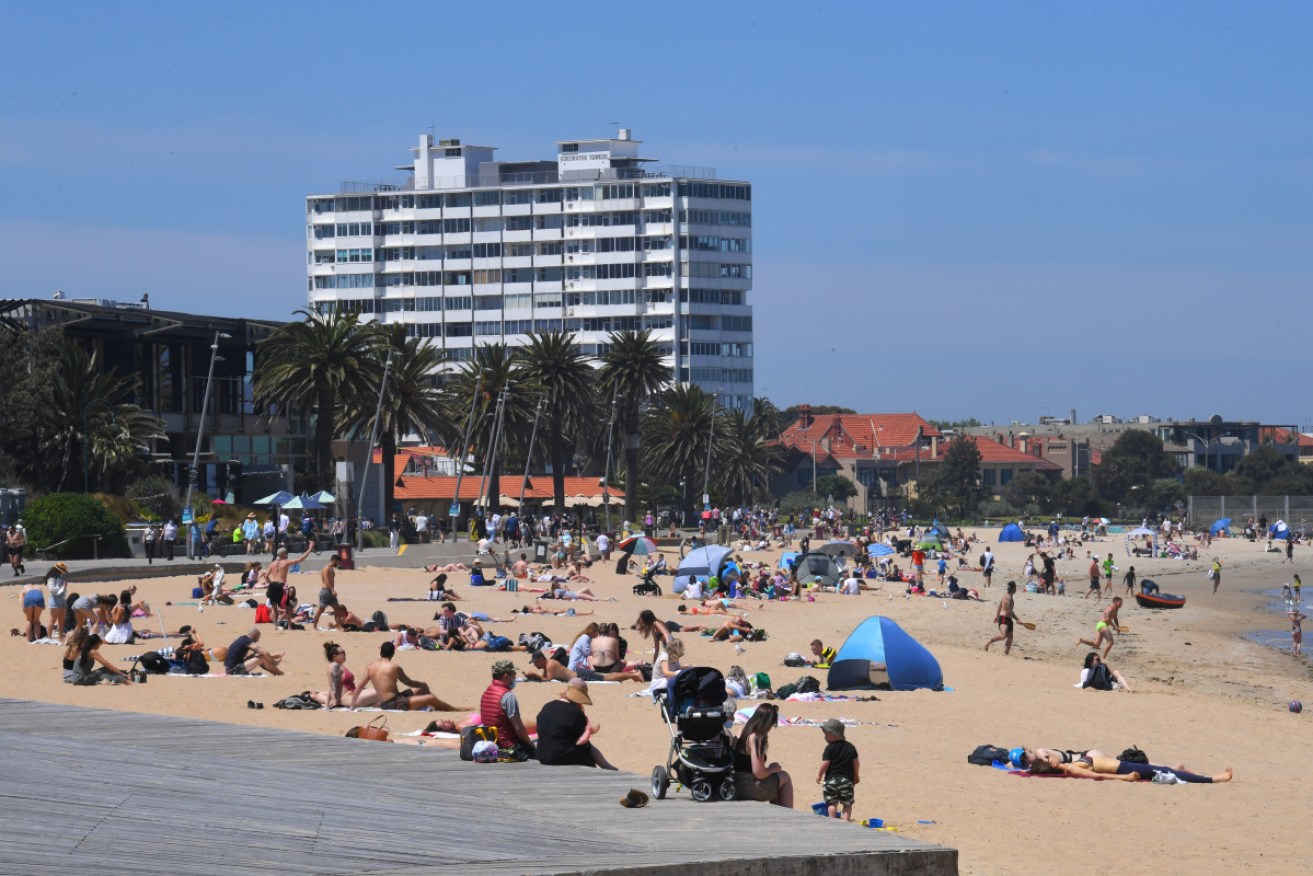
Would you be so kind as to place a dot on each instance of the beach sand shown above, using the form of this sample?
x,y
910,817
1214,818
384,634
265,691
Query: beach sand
x,y
1204,696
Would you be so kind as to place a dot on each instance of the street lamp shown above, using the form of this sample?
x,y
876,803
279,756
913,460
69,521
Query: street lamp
x,y
373,436
706,472
454,511
86,438
1207,443
606,479
194,474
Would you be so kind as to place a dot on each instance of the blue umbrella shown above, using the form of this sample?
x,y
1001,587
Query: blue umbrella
x,y
282,497
323,497
1219,525
302,503
879,550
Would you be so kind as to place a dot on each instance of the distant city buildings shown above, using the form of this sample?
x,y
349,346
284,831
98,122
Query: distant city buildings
x,y
469,250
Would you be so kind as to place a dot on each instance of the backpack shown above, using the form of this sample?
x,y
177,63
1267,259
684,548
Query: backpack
x,y
987,755
154,662
794,659
470,735
193,663
982,562
785,692
1133,755
807,684
298,703
380,621
263,615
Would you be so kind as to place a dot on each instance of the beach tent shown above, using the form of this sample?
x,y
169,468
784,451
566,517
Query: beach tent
x,y
1012,532
1279,530
787,559
879,650
701,563
877,549
1221,524
929,543
818,564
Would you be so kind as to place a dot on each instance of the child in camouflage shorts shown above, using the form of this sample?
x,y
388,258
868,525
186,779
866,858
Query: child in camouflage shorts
x,y
840,769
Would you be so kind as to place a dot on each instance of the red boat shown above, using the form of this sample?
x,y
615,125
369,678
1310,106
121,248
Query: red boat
x,y
1159,600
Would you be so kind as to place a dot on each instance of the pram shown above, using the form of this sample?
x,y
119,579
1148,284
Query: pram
x,y
700,759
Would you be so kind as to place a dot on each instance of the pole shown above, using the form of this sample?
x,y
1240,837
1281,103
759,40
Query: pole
x,y
711,431
528,456
606,479
460,461
369,455
194,475
497,419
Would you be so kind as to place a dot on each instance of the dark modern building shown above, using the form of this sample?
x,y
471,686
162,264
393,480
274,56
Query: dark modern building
x,y
243,451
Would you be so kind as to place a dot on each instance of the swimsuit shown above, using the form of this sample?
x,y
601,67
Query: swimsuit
x,y
398,703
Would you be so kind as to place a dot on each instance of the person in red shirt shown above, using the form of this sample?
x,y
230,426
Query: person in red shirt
x,y
918,566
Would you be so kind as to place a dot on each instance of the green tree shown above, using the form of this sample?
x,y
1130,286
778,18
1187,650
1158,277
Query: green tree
x,y
314,367
1029,488
1267,466
28,361
633,369
552,361
677,430
1135,459
835,485
767,420
746,462
790,415
959,475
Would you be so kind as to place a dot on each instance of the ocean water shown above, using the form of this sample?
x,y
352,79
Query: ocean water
x,y
1279,639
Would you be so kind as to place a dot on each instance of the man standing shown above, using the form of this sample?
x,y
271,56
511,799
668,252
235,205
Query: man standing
x,y
170,539
987,567
604,546
283,522
1108,568
1094,580
1006,618
327,589
499,708
422,527
384,675
148,542
277,591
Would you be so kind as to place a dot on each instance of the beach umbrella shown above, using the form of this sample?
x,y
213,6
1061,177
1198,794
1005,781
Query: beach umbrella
x,y
879,550
302,503
1221,524
323,497
218,502
282,497
1140,531
638,545
838,546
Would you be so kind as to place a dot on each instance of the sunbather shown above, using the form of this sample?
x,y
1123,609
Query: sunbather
x,y
1098,766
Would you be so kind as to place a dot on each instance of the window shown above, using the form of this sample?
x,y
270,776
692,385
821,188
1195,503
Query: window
x,y
486,277
458,302
487,302
485,329
518,302
487,199
519,223
487,250
519,196
458,330
455,226
488,223
689,189
548,196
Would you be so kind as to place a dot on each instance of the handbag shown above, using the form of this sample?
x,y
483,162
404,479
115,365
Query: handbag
x,y
376,730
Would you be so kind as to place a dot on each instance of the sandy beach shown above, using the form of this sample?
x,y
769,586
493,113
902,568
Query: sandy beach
x,y
1204,696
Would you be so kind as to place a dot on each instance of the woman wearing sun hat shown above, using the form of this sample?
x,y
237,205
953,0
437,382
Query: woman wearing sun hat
x,y
564,731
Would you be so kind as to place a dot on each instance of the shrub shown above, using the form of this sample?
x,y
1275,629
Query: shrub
x,y
73,518
156,496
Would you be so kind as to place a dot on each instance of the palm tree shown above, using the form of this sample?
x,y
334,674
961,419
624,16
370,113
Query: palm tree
x,y
676,430
316,366
747,461
87,414
412,401
767,420
553,362
492,372
632,370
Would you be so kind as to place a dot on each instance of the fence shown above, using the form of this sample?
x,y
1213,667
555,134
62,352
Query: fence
x,y
1295,510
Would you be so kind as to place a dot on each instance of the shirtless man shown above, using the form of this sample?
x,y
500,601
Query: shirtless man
x,y
1095,586
520,569
1006,618
277,589
554,667
327,590
383,675
1105,627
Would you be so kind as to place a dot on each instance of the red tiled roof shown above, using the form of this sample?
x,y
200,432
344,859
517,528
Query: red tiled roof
x,y
539,488
994,452
858,435
1278,435
404,454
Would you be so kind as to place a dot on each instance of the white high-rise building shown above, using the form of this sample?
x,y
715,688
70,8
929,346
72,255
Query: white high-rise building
x,y
470,250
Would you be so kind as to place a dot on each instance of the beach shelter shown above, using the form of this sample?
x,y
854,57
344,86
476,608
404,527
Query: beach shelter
x,y
877,549
1140,532
1279,530
787,559
930,543
818,564
1012,532
701,563
302,503
880,651
639,546
1221,524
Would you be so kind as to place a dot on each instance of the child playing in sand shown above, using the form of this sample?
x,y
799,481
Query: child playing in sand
x,y
840,769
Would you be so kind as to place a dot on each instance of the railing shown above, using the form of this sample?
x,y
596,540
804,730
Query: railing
x,y
1295,510
547,177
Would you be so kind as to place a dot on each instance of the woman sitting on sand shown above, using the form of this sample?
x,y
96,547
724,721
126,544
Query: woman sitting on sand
x,y
1101,676
85,671
754,778
1098,766
120,618
341,682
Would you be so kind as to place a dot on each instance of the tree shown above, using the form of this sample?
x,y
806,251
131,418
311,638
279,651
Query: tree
x,y
959,475
315,367
552,361
677,430
1266,465
836,486
747,461
28,361
1135,459
791,414
767,420
1029,488
74,526
968,423
633,369
412,401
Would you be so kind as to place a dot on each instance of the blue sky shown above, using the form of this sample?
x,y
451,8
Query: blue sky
x,y
998,210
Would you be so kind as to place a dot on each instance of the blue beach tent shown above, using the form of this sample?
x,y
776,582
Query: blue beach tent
x,y
1012,532
880,650
1221,524
701,563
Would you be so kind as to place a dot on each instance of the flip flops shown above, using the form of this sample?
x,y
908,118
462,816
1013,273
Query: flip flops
x,y
635,799
252,704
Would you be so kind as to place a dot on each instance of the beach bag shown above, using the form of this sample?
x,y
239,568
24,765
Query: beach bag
x,y
263,615
154,662
193,663
470,736
499,643
794,659
807,684
986,755
375,730
786,691
1133,755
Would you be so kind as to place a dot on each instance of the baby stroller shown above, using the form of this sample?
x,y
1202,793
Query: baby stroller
x,y
693,705
649,586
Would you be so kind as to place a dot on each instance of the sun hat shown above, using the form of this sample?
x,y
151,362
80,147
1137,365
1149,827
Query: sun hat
x,y
60,568
833,727
501,667
578,693
635,799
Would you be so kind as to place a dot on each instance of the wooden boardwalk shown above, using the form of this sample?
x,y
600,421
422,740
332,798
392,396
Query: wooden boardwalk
x,y
97,791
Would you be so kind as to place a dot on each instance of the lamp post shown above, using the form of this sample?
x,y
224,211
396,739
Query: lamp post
x,y
606,477
454,510
528,456
194,474
706,471
1207,443
86,438
364,475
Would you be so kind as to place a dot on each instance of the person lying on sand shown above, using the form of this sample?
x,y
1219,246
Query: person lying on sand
x,y
1098,766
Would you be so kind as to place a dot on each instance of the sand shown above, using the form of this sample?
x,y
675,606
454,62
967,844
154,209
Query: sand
x,y
1204,696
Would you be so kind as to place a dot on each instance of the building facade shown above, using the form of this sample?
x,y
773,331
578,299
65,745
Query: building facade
x,y
468,250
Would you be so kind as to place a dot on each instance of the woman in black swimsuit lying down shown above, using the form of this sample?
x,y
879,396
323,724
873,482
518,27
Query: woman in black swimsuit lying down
x,y
1097,765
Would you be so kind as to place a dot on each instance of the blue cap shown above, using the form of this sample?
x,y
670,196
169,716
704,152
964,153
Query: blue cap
x,y
1015,756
